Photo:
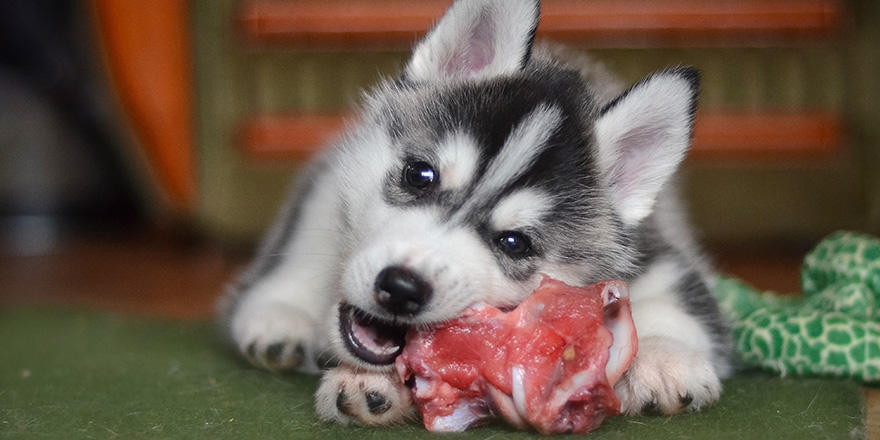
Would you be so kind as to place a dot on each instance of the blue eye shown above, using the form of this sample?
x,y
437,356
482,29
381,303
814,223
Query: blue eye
x,y
514,244
419,175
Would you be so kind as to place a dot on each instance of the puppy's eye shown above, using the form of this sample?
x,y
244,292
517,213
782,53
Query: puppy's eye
x,y
514,244
419,175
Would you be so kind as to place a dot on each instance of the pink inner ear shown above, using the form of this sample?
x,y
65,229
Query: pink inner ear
x,y
474,54
638,169
631,166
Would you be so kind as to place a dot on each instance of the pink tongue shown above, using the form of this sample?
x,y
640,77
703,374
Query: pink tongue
x,y
373,341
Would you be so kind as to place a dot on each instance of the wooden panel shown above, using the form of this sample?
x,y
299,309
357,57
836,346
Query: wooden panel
x,y
396,24
290,137
737,136
146,46
767,135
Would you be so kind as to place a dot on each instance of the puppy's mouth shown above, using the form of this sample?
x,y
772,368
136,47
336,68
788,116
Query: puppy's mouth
x,y
370,339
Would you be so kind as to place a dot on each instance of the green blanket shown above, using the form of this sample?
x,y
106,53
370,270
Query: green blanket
x,y
70,374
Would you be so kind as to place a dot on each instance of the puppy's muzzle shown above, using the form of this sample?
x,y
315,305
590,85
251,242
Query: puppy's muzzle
x,y
401,291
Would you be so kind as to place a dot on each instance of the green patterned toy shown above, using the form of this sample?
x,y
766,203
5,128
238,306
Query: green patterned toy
x,y
833,329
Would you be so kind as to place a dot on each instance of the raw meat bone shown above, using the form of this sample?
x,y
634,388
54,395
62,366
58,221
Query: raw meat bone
x,y
549,364
623,349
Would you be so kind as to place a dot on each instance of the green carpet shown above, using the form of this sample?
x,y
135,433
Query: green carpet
x,y
73,374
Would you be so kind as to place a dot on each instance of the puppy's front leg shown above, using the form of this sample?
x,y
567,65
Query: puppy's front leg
x,y
277,314
667,376
347,395
680,357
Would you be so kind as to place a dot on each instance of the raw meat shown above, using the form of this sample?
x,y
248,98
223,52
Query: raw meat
x,y
549,364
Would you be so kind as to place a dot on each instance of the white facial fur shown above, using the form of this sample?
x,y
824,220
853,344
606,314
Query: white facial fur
x,y
457,159
523,208
361,169
453,259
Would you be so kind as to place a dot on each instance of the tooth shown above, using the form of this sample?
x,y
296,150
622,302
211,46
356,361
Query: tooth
x,y
390,350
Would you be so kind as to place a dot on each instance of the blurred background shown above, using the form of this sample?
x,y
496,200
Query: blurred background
x,y
145,146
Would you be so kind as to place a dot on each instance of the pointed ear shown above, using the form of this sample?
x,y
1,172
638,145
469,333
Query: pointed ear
x,y
643,136
477,39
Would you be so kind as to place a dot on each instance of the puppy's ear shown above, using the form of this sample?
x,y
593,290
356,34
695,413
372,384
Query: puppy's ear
x,y
643,136
477,39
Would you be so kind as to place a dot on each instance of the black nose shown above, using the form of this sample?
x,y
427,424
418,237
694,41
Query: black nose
x,y
401,291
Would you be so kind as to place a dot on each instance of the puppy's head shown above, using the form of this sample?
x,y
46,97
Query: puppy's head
x,y
482,167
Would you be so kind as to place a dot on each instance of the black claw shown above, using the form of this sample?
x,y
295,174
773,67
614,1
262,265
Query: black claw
x,y
341,400
377,403
252,350
327,361
273,353
686,399
651,409
300,352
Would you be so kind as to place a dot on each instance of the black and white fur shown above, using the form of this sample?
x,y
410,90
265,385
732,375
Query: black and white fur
x,y
483,166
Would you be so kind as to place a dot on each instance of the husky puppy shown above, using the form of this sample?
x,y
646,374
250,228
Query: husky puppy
x,y
483,166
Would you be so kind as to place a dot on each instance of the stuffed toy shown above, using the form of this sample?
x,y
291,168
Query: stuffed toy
x,y
832,329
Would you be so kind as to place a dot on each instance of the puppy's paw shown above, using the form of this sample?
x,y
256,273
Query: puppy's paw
x,y
277,337
667,377
370,398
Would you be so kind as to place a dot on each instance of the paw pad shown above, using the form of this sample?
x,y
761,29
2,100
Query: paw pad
x,y
651,408
685,400
276,356
273,353
377,403
341,403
